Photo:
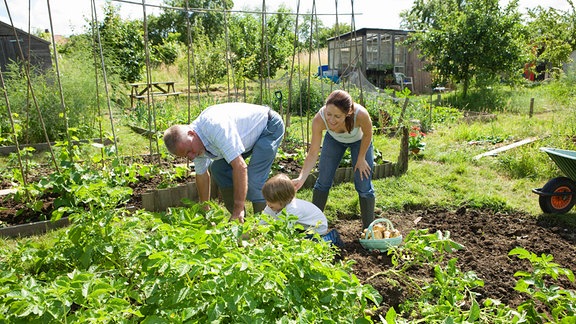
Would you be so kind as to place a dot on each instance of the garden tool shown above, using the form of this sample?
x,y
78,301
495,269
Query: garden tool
x,y
319,198
287,117
367,211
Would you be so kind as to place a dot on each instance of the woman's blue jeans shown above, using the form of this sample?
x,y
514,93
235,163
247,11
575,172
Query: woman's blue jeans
x,y
261,156
330,157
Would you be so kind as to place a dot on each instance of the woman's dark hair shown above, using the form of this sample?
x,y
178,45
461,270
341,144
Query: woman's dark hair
x,y
344,102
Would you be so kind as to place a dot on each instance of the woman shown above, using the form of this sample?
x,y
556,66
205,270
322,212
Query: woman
x,y
347,125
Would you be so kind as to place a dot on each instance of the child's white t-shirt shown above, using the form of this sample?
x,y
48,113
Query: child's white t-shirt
x,y
308,215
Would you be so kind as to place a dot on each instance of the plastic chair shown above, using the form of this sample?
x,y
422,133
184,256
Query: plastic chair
x,y
404,80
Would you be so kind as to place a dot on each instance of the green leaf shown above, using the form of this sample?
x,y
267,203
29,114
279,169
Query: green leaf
x,y
522,274
521,286
520,252
21,308
474,311
157,255
391,315
100,292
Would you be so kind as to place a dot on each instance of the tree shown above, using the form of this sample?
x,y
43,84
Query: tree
x,y
308,30
209,61
123,45
319,34
337,29
249,55
165,46
205,16
471,40
551,35
167,52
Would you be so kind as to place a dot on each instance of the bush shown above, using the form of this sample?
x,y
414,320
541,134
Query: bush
x,y
191,266
307,99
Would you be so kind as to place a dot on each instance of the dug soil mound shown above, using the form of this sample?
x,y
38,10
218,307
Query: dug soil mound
x,y
487,238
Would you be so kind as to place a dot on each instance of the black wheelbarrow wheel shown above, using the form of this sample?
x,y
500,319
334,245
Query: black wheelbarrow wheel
x,y
560,196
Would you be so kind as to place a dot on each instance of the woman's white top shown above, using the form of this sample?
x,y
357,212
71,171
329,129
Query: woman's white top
x,y
354,136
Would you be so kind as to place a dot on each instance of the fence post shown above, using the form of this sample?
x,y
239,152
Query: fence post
x,y
531,107
401,119
402,164
430,119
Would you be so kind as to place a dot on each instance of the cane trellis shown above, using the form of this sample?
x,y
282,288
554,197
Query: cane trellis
x,y
100,71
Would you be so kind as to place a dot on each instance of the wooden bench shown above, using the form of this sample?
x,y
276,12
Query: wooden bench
x,y
156,89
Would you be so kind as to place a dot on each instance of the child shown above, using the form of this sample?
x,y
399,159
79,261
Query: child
x,y
280,194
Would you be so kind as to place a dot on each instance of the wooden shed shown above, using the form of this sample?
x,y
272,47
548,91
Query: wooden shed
x,y
378,54
34,49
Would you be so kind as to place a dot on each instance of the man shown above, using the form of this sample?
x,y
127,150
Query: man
x,y
219,141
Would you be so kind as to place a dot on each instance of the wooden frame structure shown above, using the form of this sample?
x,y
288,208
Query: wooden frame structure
x,y
378,54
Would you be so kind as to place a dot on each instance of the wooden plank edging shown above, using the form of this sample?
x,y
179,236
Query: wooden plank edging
x,y
39,147
505,148
35,228
162,199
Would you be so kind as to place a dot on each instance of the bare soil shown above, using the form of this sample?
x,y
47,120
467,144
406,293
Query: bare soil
x,y
487,237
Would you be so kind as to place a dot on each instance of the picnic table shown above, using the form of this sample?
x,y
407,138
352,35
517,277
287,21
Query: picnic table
x,y
156,89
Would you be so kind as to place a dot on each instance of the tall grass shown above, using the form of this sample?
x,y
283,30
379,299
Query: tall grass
x,y
38,110
311,60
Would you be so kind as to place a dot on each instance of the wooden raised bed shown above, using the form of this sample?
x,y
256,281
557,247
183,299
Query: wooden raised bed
x,y
161,199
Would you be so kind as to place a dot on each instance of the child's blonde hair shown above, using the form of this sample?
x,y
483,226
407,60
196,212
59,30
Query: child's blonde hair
x,y
279,189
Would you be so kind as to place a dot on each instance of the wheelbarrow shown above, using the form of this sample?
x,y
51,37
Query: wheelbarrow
x,y
559,194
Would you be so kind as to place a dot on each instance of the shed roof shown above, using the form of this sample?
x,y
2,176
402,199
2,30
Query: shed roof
x,y
365,31
8,30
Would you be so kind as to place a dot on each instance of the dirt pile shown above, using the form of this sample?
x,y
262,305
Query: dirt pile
x,y
487,237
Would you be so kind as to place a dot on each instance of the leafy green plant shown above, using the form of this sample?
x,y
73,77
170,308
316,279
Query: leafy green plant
x,y
81,184
31,127
453,295
549,303
421,247
450,297
186,265
307,98
284,158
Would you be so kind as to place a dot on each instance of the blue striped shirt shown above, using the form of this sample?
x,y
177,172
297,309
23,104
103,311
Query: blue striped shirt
x,y
227,131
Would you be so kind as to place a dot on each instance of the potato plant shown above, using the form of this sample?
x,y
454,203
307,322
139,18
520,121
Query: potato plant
x,y
184,265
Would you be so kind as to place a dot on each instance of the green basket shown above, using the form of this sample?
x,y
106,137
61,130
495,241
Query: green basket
x,y
381,245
